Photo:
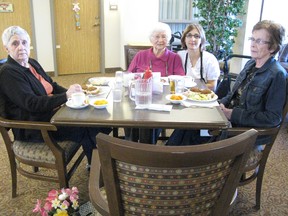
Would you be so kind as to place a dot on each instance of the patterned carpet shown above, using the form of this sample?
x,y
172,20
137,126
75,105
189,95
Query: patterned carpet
x,y
274,191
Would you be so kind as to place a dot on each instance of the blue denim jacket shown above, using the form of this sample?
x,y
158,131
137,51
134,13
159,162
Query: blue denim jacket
x,y
262,102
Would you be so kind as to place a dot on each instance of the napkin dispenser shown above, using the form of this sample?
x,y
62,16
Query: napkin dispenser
x,y
157,85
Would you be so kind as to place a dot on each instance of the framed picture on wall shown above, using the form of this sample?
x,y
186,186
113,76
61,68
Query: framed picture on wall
x,y
6,7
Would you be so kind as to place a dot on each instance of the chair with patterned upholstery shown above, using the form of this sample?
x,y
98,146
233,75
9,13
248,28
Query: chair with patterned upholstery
x,y
28,158
167,180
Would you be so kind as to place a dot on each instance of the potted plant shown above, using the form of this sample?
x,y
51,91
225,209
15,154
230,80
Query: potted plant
x,y
219,19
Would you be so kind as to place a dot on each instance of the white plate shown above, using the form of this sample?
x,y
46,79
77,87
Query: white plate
x,y
99,93
168,97
99,81
91,102
192,84
70,104
204,101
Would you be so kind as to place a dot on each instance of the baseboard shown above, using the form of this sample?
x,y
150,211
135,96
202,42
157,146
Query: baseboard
x,y
113,70
50,73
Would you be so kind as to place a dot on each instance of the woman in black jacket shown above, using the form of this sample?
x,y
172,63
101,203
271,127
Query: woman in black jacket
x,y
28,93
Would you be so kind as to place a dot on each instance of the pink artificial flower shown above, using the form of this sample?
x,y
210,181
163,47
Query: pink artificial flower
x,y
65,205
53,194
75,190
37,206
48,206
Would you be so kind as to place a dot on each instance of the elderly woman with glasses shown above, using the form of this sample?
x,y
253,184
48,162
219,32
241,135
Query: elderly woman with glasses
x,y
258,96
197,62
158,58
259,93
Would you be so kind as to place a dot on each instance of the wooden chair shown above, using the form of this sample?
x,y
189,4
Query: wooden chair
x,y
131,50
166,180
256,163
48,154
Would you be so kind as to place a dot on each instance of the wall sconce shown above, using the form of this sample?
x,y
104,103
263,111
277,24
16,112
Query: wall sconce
x,y
113,5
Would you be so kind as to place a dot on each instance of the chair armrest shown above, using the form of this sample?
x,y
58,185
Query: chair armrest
x,y
261,131
95,183
234,131
35,125
44,127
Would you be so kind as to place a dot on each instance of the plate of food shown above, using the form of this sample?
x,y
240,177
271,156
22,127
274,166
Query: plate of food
x,y
99,103
200,95
99,81
176,98
91,90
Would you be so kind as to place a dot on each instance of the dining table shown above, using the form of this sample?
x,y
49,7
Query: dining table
x,y
123,114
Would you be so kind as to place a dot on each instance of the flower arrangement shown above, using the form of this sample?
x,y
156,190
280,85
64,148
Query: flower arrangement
x,y
62,202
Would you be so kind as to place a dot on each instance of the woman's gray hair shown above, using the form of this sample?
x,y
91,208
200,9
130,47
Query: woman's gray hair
x,y
161,27
13,30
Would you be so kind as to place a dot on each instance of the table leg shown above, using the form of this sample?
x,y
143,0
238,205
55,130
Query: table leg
x,y
147,136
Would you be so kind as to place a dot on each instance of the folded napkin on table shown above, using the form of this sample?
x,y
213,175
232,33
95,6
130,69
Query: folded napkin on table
x,y
199,104
158,107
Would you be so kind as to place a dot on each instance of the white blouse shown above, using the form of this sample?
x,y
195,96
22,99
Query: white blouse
x,y
211,69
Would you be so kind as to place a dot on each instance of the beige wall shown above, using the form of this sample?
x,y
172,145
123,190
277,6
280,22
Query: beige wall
x,y
130,24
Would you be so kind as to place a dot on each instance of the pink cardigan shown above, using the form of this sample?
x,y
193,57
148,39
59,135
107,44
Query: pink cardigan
x,y
168,64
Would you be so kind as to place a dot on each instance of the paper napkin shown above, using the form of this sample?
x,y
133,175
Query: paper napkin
x,y
211,104
157,107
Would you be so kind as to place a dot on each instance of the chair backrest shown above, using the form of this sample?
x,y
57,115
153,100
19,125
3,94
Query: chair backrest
x,y
131,50
2,61
166,180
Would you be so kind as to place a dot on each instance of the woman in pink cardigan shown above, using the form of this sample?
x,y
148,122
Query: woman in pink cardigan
x,y
158,58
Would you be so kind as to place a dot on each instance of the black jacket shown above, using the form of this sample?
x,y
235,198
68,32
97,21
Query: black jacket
x,y
25,97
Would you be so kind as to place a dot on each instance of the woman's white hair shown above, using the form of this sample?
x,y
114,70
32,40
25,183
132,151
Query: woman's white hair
x,y
13,30
161,27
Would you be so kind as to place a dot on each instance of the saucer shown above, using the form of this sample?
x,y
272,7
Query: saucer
x,y
70,104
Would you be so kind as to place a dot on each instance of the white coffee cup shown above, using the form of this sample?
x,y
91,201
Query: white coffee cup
x,y
78,99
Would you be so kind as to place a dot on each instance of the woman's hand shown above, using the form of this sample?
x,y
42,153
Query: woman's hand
x,y
72,89
227,112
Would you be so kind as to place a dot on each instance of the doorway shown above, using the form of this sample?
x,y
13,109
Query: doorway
x,y
78,48
21,16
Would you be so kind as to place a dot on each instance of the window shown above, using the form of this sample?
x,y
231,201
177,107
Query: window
x,y
177,13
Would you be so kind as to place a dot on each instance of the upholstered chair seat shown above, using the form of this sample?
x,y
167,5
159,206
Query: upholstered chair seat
x,y
40,152
40,156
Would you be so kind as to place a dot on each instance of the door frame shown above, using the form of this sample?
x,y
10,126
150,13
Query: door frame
x,y
102,37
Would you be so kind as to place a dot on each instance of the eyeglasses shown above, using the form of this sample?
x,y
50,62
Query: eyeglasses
x,y
258,41
196,36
